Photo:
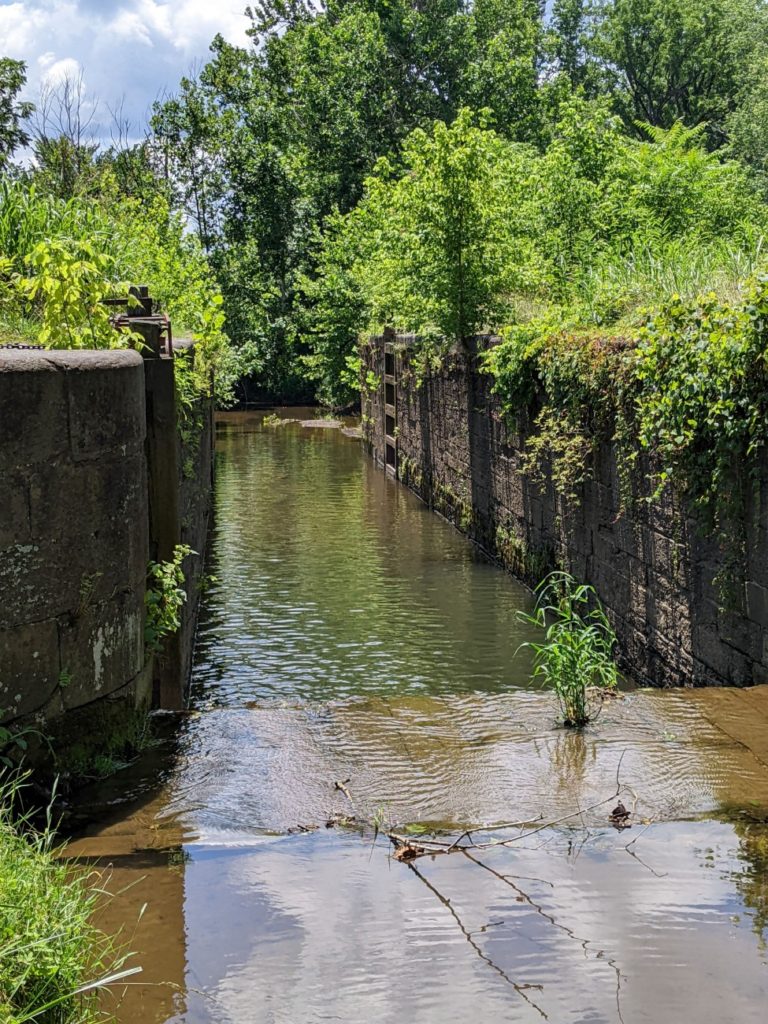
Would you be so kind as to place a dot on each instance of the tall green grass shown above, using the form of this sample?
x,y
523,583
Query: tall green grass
x,y
649,274
575,659
53,961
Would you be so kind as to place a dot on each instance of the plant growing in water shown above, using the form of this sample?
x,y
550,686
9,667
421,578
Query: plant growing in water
x,y
576,657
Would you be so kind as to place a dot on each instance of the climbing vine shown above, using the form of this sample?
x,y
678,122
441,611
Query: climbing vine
x,y
689,391
571,387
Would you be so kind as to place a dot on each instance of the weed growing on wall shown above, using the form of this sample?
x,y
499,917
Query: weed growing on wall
x,y
164,598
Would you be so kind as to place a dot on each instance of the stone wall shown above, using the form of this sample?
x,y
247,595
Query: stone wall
x,y
77,529
653,567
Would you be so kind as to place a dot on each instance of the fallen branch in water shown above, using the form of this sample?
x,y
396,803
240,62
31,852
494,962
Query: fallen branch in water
x,y
342,786
412,848
467,833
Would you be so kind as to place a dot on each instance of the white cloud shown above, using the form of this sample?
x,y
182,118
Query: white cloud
x,y
136,50
128,26
59,70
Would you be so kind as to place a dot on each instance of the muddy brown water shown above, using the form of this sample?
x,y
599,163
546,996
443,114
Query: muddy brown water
x,y
352,634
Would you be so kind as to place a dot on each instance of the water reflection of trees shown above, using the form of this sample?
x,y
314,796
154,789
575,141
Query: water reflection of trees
x,y
752,880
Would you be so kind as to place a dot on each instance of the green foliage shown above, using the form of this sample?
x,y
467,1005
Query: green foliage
x,y
13,112
575,659
290,128
431,249
504,38
112,748
272,420
13,745
443,261
336,181
153,247
335,315
164,598
688,387
703,396
64,256
67,285
670,60
474,230
576,381
52,959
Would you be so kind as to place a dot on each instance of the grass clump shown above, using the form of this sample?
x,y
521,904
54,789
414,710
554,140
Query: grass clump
x,y
53,961
576,657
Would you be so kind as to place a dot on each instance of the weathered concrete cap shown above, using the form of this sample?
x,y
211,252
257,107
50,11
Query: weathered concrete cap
x,y
14,360
83,400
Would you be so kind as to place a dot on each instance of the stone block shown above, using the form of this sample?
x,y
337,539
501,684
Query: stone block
x,y
91,504
14,509
29,668
757,603
89,537
34,411
101,648
106,403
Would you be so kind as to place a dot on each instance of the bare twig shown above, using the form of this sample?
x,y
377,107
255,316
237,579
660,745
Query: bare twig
x,y
547,824
490,828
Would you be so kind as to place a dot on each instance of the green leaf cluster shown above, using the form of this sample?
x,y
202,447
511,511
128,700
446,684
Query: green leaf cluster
x,y
575,659
164,598
60,258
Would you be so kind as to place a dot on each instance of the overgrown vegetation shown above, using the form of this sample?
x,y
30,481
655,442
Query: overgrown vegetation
x,y
445,167
338,180
53,961
575,659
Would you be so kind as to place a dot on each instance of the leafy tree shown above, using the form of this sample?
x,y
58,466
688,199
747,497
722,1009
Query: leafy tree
x,y
673,60
186,138
571,44
503,72
571,177
13,112
747,124
283,134
336,311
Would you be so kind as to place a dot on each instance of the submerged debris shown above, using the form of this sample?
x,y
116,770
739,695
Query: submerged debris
x,y
340,820
407,851
619,817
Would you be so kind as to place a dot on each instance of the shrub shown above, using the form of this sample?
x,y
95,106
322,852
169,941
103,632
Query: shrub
x,y
164,598
576,657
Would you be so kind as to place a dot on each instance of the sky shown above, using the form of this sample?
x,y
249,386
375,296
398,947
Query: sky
x,y
133,51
